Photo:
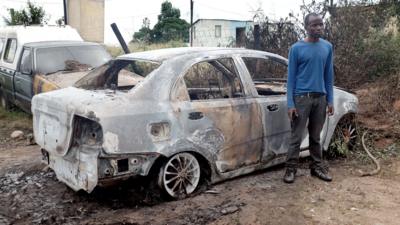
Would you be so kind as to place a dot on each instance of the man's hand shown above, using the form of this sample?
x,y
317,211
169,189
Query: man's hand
x,y
292,113
330,110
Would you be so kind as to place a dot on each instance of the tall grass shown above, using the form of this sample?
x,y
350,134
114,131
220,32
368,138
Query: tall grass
x,y
140,47
14,120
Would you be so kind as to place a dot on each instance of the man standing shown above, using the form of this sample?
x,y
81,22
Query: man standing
x,y
309,95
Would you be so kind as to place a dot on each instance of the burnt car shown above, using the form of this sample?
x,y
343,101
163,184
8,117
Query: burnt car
x,y
183,115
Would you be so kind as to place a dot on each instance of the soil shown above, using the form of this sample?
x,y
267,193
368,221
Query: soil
x,y
31,194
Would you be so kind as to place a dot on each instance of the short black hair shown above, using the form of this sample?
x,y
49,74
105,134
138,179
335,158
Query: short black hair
x,y
307,18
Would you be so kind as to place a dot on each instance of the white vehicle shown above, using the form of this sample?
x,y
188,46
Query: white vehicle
x,y
35,59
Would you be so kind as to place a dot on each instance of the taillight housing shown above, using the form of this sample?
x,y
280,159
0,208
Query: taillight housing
x,y
86,132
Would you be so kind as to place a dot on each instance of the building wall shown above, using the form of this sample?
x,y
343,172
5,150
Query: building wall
x,y
87,16
206,32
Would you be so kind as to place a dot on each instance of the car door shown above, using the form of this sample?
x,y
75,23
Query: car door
x,y
220,112
268,76
23,80
7,68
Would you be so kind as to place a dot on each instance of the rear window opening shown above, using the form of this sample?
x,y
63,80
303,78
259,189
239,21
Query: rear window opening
x,y
70,58
121,75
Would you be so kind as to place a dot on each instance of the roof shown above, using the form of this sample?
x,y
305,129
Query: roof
x,y
247,21
45,44
171,53
27,34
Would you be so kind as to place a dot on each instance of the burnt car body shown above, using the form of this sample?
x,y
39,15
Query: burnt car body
x,y
185,113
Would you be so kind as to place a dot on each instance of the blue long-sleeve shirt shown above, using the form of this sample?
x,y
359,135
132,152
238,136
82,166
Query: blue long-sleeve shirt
x,y
310,70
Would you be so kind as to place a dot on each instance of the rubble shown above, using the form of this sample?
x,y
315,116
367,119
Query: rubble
x,y
229,210
17,134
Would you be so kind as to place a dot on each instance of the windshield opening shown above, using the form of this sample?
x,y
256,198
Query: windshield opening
x,y
118,74
70,58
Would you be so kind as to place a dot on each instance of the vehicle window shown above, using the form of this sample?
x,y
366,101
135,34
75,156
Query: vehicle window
x,y
26,62
268,75
70,58
215,79
2,41
10,50
118,74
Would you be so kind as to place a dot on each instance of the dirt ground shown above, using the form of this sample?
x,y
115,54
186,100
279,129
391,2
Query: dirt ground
x,y
31,194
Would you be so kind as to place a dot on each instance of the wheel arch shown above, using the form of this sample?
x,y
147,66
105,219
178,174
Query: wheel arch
x,y
334,124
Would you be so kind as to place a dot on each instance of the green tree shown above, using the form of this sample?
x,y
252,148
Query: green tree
x,y
144,33
170,26
30,15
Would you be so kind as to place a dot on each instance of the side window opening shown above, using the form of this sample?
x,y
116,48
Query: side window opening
x,y
26,62
2,42
214,79
10,50
268,75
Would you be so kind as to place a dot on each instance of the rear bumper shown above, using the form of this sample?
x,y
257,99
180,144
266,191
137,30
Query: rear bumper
x,y
78,171
84,169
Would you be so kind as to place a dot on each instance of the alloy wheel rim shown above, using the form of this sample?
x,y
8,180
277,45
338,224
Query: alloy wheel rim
x,y
181,175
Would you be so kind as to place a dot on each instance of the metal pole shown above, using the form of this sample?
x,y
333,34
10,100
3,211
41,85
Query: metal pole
x,y
120,38
257,44
191,23
65,12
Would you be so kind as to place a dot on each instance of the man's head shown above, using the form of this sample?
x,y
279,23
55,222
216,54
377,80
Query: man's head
x,y
314,25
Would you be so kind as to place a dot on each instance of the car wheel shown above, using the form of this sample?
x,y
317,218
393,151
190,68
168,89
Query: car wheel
x,y
344,137
180,175
5,104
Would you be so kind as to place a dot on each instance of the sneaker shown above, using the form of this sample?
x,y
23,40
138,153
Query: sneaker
x,y
321,173
290,175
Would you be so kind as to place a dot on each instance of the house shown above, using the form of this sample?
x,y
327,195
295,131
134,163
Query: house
x,y
220,32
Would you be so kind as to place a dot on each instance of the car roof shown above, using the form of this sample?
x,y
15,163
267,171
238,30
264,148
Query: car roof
x,y
172,53
46,44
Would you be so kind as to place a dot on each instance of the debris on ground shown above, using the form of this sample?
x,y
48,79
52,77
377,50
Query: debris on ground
x,y
17,134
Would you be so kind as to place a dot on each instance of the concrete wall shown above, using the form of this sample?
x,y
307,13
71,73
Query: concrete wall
x,y
87,16
205,32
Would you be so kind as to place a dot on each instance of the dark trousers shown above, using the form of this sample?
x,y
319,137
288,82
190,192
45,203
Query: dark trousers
x,y
313,110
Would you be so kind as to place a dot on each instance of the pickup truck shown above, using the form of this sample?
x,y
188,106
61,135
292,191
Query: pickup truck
x,y
38,59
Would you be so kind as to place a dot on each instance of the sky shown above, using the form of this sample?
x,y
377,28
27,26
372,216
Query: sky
x,y
129,14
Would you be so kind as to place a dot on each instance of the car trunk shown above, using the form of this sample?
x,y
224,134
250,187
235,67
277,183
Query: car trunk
x,y
53,115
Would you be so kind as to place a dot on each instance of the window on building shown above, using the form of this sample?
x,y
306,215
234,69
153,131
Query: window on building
x,y
217,31
11,48
194,32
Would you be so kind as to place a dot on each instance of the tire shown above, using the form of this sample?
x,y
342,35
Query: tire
x,y
4,102
180,175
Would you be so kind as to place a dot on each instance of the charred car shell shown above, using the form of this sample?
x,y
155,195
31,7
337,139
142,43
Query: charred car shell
x,y
214,112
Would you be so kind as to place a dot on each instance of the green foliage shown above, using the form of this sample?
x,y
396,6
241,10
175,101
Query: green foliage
x,y
168,28
30,15
144,34
382,54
